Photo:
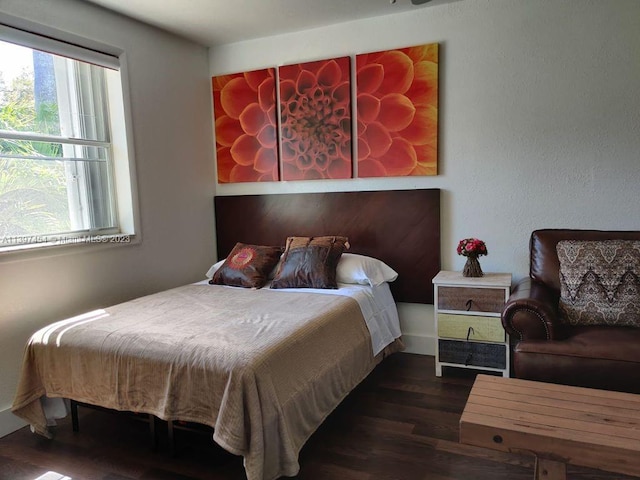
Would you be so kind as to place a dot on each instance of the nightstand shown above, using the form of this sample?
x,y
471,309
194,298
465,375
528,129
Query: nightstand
x,y
468,326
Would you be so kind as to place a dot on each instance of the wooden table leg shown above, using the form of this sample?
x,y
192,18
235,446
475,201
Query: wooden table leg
x,y
549,470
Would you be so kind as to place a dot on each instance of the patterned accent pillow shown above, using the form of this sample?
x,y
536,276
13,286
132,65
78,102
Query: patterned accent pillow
x,y
600,282
310,262
247,266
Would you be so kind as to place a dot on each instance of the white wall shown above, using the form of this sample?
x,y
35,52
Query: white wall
x,y
539,119
171,111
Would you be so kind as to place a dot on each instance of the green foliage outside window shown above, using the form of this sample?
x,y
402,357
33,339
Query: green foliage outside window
x,y
33,193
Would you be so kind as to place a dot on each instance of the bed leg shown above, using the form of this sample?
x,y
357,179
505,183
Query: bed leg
x,y
172,443
152,432
74,416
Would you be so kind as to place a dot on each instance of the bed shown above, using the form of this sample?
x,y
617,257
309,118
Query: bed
x,y
222,356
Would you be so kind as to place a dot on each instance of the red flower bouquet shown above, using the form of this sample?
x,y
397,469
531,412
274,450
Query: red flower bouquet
x,y
472,248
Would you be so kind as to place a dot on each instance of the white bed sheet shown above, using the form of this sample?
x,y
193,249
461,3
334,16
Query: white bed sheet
x,y
376,303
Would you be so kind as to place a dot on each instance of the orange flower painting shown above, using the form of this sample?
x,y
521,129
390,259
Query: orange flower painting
x,y
315,111
397,105
244,106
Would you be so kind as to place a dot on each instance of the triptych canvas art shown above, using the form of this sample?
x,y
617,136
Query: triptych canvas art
x,y
307,131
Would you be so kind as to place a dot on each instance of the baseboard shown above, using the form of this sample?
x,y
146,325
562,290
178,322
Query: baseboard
x,y
421,344
9,423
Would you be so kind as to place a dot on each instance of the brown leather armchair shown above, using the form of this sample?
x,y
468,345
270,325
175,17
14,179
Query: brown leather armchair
x,y
602,357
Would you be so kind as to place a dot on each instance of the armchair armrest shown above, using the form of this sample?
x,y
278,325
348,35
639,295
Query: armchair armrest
x,y
531,313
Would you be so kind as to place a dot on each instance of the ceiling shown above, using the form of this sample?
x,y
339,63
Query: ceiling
x,y
218,22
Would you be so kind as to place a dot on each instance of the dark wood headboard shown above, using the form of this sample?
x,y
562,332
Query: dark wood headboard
x,y
400,227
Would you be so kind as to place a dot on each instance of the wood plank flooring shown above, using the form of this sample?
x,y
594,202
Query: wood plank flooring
x,y
401,423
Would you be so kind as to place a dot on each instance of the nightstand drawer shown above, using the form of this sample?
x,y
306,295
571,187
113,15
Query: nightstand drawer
x,y
470,327
471,299
491,355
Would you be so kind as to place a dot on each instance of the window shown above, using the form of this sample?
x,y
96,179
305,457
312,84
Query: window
x,y
64,171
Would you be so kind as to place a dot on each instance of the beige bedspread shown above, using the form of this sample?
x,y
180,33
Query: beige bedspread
x,y
263,368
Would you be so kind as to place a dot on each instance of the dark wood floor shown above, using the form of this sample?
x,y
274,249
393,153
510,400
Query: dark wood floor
x,y
401,423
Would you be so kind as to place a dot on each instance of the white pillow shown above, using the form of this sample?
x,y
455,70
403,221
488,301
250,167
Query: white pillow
x,y
213,268
363,270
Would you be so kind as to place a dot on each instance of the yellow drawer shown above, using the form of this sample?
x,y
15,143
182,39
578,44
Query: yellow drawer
x,y
486,329
471,299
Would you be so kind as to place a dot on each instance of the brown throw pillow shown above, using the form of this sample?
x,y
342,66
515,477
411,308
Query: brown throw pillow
x,y
310,262
247,266
599,282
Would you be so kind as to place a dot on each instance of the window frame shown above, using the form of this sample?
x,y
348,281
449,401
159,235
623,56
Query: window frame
x,y
127,230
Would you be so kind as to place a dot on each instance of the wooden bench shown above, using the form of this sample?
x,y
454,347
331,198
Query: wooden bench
x,y
558,424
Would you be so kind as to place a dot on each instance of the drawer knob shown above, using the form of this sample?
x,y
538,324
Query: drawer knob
x,y
497,439
468,304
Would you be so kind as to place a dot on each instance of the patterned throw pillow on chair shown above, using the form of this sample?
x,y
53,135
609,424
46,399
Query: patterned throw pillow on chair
x,y
600,282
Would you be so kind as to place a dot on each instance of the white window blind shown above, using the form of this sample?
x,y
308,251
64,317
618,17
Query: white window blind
x,y
58,47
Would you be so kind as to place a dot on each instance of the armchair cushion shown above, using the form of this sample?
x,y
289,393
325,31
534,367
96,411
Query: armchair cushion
x,y
600,282
594,356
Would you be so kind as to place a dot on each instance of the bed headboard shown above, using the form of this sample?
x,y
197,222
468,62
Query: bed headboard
x,y
400,227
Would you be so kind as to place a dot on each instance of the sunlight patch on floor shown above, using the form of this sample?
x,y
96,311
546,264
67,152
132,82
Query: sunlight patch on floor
x,y
53,476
